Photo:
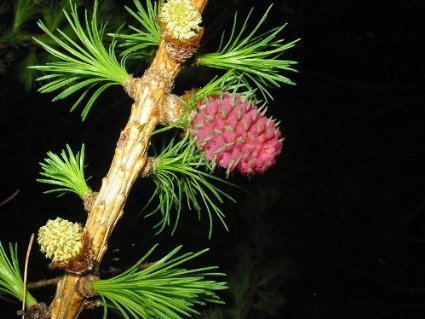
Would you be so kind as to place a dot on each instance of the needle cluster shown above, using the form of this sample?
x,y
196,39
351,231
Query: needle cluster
x,y
65,172
183,176
84,65
10,275
139,40
160,290
253,55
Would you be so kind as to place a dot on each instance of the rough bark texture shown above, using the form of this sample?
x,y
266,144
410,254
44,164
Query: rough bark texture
x,y
129,161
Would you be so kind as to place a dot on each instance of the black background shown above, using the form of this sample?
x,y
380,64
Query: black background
x,y
343,210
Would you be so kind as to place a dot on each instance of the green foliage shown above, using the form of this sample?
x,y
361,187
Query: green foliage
x,y
147,36
182,175
27,76
252,55
24,10
65,173
52,12
160,290
17,50
10,276
227,82
86,66
15,36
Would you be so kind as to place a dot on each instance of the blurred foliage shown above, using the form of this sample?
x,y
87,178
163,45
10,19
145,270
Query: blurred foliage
x,y
257,280
18,27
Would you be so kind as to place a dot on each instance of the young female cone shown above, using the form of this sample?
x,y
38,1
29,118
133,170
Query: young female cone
x,y
235,134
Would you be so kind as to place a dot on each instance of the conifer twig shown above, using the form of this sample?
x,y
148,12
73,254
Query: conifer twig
x,y
43,283
8,199
128,162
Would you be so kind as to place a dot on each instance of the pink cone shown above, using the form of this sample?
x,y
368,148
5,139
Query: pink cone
x,y
236,135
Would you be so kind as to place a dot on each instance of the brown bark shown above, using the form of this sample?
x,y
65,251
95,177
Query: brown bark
x,y
128,163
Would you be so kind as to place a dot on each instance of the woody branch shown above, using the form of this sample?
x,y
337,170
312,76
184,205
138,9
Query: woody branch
x,y
130,158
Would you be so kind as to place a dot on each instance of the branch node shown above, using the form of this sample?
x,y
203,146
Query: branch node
x,y
171,110
92,304
132,87
89,200
179,50
149,168
38,311
85,286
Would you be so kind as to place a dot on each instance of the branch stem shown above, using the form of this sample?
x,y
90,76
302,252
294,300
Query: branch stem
x,y
128,163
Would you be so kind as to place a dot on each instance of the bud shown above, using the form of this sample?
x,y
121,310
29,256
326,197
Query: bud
x,y
181,19
60,239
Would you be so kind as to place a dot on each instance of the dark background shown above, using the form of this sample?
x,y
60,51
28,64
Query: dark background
x,y
341,216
